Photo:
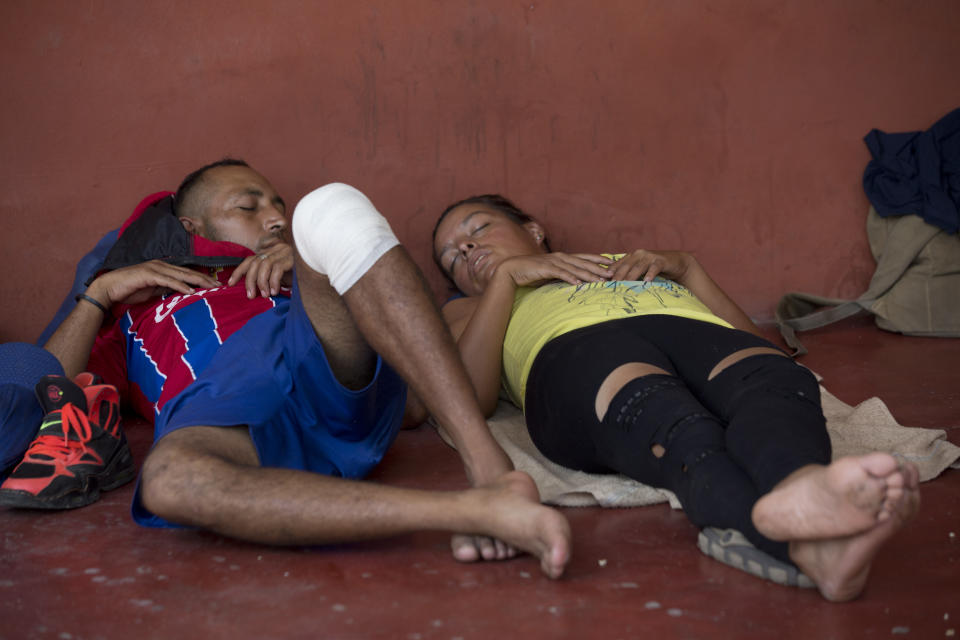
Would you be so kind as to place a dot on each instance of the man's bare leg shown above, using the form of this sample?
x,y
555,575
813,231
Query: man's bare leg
x,y
350,357
391,309
837,517
209,477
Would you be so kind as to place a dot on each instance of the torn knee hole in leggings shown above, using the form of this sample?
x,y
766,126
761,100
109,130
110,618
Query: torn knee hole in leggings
x,y
669,417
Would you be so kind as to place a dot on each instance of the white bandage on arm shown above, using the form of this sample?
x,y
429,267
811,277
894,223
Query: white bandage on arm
x,y
340,234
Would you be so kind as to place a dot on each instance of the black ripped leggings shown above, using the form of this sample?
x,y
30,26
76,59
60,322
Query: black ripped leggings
x,y
727,441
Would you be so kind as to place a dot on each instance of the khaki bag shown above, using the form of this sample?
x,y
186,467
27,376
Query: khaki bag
x,y
915,289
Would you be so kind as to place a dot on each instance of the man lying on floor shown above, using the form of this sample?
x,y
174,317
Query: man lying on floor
x,y
261,436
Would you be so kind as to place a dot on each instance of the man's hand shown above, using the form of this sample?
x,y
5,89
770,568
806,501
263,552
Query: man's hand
x,y
72,341
140,282
266,272
647,265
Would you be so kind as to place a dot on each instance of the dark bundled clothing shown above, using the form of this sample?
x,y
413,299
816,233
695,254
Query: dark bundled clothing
x,y
152,232
917,173
155,233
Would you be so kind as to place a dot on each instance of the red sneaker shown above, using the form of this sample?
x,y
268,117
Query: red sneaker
x,y
79,451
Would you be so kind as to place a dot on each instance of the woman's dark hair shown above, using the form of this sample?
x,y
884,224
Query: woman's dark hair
x,y
492,200
181,200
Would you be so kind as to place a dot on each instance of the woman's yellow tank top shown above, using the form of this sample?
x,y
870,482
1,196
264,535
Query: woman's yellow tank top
x,y
543,313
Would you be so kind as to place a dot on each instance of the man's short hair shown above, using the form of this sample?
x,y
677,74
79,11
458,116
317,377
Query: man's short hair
x,y
186,202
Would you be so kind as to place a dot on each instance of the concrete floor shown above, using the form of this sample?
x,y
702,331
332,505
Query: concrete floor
x,y
92,573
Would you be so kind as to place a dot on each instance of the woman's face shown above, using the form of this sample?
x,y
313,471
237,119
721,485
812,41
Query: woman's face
x,y
473,239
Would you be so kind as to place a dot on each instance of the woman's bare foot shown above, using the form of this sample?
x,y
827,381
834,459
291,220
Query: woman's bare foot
x,y
511,517
840,566
843,498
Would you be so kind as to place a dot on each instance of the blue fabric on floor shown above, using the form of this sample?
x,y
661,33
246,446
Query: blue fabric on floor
x,y
21,367
86,269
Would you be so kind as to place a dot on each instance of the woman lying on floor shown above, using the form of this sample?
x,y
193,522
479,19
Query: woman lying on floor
x,y
640,364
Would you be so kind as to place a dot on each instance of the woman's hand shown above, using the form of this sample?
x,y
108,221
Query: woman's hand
x,y
644,265
684,269
265,272
573,268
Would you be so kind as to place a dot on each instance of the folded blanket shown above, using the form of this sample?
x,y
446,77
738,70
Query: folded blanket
x,y
853,430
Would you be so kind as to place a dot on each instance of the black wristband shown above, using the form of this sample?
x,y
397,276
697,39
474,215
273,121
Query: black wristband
x,y
94,302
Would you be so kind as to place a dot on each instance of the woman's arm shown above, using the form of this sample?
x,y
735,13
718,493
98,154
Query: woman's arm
x,y
479,323
683,268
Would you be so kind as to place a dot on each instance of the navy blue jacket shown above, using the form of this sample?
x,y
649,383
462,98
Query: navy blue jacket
x,y
917,172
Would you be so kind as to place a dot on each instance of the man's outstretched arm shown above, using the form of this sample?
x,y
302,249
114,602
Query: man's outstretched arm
x,y
72,341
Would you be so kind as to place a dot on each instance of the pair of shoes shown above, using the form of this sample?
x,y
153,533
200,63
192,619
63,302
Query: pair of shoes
x,y
79,451
731,547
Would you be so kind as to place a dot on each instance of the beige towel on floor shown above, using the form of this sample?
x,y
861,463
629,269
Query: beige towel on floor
x,y
853,430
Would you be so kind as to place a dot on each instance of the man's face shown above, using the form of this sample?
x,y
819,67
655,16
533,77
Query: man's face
x,y
240,206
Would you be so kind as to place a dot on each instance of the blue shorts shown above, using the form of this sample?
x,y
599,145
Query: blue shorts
x,y
21,368
272,375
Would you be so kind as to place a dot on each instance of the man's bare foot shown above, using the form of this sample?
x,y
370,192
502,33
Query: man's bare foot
x,y
511,517
470,548
843,498
840,566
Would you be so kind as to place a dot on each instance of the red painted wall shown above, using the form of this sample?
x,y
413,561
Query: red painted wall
x,y
732,129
